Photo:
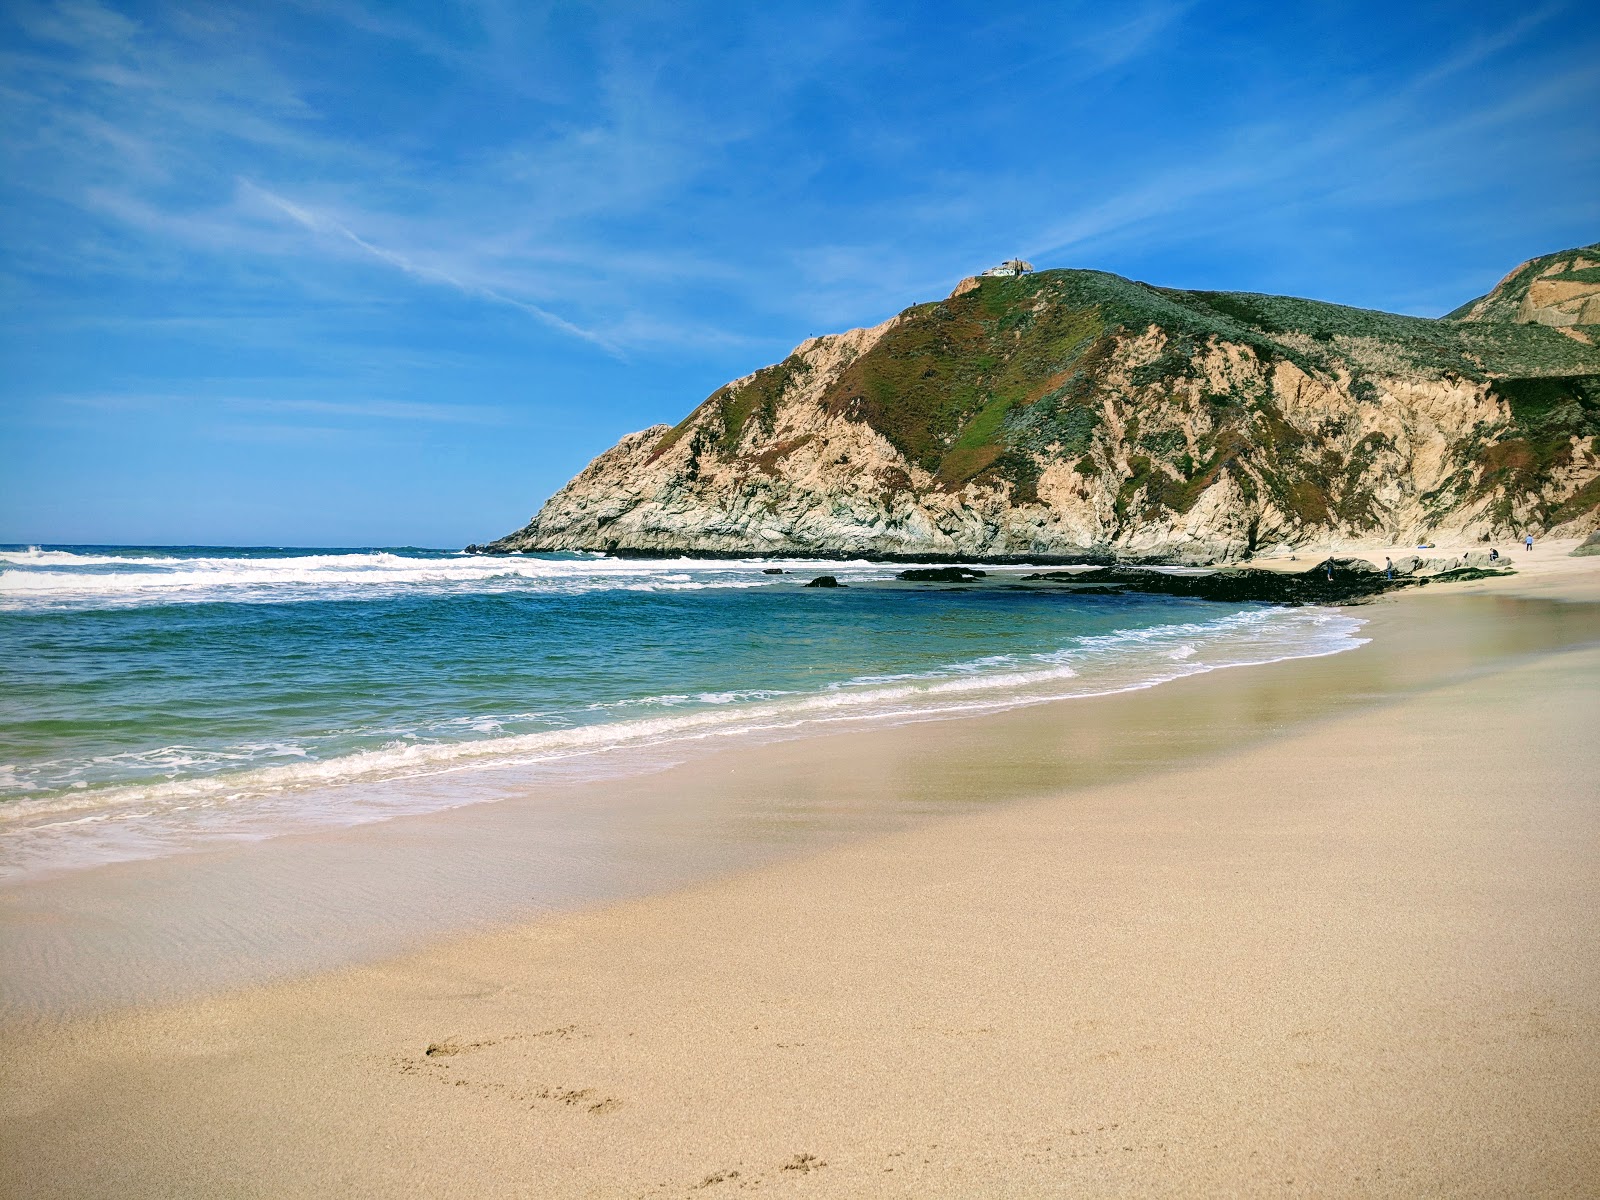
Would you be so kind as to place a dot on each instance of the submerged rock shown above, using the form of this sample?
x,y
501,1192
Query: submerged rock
x,y
1332,581
941,574
1464,574
826,581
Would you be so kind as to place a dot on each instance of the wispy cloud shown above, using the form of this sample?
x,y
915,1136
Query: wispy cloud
x,y
404,411
1131,32
130,123
321,223
1481,49
1289,158
381,410
625,198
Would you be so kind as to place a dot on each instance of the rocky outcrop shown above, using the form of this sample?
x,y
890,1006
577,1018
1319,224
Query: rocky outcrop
x,y
1080,415
1333,581
941,575
1560,290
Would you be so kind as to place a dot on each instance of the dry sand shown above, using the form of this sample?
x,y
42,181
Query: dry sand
x,y
1548,571
1329,927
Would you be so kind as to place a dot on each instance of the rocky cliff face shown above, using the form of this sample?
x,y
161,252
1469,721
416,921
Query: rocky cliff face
x,y
1074,413
1559,290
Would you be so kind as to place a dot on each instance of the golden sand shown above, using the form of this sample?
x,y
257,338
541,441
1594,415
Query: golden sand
x,y
1328,927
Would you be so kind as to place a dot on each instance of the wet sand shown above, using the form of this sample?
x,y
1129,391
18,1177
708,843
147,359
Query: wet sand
x,y
177,927
1325,926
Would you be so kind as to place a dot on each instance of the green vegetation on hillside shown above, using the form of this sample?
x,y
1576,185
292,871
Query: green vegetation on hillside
x,y
990,384
735,405
943,384
1548,415
1508,293
983,383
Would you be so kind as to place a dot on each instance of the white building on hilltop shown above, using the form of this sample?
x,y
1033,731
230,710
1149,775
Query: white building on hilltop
x,y
1012,266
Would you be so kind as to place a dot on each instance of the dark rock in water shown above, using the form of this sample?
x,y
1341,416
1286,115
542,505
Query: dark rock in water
x,y
772,570
1333,581
1464,574
1591,544
1069,582
826,581
940,574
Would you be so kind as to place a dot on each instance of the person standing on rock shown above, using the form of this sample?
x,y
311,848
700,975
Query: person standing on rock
x,y
1528,542
1388,568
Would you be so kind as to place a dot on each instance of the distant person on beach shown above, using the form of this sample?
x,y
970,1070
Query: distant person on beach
x,y
1528,542
1330,570
1388,568
1494,555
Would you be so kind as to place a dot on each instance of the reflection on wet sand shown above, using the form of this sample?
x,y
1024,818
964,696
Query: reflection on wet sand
x,y
174,927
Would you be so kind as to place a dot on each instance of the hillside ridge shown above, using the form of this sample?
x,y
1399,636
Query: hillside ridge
x,y
1075,413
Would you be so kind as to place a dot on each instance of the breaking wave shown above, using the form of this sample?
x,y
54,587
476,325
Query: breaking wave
x,y
258,789
32,578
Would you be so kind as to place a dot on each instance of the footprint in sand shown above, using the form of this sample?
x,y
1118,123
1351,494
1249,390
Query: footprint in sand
x,y
449,1047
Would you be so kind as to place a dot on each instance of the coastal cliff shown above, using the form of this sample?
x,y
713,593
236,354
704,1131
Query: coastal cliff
x,y
1076,413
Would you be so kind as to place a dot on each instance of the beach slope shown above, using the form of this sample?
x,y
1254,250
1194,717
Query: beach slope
x,y
1359,958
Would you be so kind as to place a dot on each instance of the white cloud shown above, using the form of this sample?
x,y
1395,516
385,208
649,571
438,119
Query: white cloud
x,y
323,224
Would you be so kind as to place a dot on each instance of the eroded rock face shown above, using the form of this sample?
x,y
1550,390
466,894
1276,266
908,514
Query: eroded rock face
x,y
1560,290
1072,413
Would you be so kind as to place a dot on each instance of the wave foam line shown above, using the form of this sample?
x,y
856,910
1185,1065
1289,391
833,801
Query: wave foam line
x,y
62,575
1105,663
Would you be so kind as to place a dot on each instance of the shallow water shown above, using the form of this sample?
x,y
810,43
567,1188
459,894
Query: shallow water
x,y
252,910
157,700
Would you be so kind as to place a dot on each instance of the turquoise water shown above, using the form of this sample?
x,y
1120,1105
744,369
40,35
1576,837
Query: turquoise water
x,y
155,699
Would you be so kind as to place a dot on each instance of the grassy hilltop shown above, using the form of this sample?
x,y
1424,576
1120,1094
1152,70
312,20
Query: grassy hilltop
x,y
1309,415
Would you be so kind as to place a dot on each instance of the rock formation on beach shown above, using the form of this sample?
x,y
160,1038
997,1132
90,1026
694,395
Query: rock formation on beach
x,y
1079,414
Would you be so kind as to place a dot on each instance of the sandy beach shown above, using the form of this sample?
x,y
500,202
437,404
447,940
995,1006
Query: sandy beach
x,y
1324,927
825,601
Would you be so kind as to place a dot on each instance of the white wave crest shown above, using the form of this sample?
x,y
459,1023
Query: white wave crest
x,y
236,802
35,578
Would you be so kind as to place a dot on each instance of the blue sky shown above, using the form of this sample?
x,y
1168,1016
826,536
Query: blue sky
x,y
339,273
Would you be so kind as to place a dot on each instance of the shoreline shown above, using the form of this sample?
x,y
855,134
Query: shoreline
x,y
1325,926
1352,951
78,830
183,926
358,787
1311,552
328,896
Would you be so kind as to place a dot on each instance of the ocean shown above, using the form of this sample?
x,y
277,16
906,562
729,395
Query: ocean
x,y
155,700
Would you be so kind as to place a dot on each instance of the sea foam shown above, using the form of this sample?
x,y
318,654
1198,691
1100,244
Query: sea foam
x,y
34,578
295,791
